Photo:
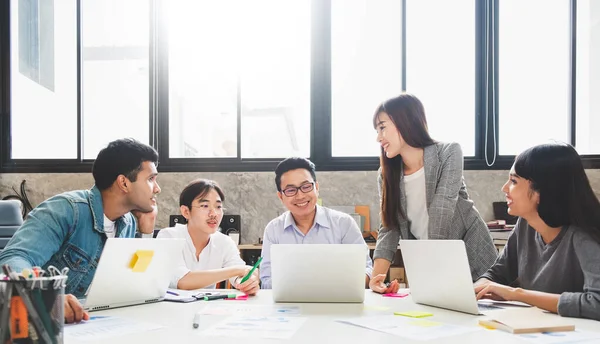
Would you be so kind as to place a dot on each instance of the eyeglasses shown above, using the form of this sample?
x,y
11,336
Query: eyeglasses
x,y
293,190
206,209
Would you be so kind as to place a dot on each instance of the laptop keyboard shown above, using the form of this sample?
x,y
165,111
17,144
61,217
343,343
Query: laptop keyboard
x,y
483,307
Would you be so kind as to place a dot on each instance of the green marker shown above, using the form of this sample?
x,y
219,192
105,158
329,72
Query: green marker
x,y
220,296
251,271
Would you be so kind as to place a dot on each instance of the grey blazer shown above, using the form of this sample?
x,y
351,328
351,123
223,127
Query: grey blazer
x,y
451,212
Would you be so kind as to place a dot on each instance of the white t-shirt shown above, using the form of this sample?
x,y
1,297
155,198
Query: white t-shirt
x,y
109,227
221,252
416,204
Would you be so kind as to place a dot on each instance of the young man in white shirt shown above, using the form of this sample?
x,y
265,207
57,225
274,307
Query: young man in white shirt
x,y
209,256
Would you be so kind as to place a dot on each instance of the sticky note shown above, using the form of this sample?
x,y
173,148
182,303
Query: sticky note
x,y
414,314
140,260
320,201
400,295
425,323
240,298
486,326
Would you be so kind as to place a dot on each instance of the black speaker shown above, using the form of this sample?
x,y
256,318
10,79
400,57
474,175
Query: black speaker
x,y
231,223
501,213
176,219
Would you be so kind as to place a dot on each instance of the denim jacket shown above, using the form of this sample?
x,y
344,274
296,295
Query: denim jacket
x,y
66,230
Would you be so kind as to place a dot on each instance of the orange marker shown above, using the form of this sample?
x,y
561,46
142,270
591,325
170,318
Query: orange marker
x,y
19,323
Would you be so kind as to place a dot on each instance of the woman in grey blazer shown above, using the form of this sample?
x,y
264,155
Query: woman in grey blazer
x,y
422,191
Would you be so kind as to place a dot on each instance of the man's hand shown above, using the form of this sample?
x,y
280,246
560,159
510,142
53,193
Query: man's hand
x,y
251,286
376,284
74,310
146,220
495,291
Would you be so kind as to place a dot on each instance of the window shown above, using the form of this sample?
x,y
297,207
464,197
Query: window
x,y
533,73
588,77
115,72
255,65
366,69
440,67
43,87
237,85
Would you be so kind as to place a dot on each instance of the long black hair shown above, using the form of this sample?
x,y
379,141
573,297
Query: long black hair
x,y
556,172
408,116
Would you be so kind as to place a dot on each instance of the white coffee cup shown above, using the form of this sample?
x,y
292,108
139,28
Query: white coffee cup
x,y
235,237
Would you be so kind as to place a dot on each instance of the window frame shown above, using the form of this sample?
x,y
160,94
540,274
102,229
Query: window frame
x,y
486,30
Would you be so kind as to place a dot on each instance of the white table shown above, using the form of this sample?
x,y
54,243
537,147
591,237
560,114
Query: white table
x,y
320,326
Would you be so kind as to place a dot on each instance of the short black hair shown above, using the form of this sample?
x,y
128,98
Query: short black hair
x,y
556,172
293,163
121,157
198,188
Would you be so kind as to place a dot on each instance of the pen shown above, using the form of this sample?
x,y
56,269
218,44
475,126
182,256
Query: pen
x,y
172,293
217,297
196,322
251,271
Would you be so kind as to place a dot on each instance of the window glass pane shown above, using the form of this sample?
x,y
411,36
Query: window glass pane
x,y
115,79
588,77
43,69
440,67
258,61
366,69
275,78
202,79
533,57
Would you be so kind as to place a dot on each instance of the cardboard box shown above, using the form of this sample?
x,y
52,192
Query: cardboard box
x,y
397,273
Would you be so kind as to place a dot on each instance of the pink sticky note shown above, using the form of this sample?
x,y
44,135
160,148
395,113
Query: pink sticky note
x,y
239,298
395,295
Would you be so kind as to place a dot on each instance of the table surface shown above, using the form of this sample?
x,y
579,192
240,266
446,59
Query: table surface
x,y
321,324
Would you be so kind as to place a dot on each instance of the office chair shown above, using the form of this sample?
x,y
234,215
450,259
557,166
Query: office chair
x,y
10,220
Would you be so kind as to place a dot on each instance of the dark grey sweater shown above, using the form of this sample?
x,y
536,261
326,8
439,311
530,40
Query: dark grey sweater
x,y
569,266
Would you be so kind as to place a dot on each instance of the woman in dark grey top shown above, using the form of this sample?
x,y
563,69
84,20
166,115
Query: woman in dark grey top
x,y
422,190
552,260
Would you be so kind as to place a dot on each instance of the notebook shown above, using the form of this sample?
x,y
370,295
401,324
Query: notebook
x,y
527,320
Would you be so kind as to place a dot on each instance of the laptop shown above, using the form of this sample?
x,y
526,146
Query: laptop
x,y
115,284
439,275
318,272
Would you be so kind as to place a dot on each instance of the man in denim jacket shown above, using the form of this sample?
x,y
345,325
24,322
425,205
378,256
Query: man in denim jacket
x,y
70,229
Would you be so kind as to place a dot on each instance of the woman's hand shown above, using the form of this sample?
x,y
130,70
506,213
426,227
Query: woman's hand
x,y
376,284
495,291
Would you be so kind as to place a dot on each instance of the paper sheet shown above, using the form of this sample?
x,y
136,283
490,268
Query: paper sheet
x,y
415,329
560,337
249,310
103,327
257,327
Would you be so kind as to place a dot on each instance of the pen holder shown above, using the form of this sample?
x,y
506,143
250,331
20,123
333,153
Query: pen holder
x,y
32,310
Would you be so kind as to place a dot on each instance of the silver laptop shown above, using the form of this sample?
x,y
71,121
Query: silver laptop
x,y
438,274
115,284
318,272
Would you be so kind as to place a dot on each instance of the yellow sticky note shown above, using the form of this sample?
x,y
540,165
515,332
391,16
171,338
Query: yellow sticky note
x,y
320,201
425,323
140,260
486,326
414,314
